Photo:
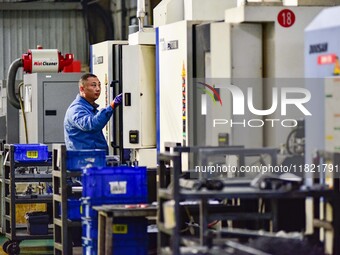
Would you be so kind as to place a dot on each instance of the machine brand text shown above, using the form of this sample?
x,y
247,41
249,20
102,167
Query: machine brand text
x,y
317,48
44,63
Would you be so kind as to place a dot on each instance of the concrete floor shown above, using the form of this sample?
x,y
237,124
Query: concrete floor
x,y
36,247
31,246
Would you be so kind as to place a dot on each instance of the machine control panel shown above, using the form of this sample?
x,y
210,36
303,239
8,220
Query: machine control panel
x,y
134,136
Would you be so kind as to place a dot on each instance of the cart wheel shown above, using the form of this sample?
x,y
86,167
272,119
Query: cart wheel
x,y
5,245
13,248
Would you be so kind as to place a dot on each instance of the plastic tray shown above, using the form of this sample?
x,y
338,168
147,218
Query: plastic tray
x,y
78,160
121,185
30,152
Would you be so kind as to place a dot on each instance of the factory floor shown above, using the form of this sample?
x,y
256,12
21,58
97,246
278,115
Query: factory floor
x,y
36,247
31,246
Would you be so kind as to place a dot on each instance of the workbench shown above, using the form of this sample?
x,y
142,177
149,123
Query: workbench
x,y
106,216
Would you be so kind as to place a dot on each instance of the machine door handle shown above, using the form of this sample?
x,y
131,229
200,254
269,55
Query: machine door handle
x,y
127,99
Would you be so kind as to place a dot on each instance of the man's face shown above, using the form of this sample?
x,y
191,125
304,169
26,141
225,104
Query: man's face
x,y
91,90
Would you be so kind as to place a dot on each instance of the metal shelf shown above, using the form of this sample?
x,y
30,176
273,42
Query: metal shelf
x,y
2,189
70,223
62,225
37,200
32,164
21,234
9,180
171,240
57,197
33,177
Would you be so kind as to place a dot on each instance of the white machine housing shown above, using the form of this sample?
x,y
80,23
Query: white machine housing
x,y
236,58
174,69
103,64
321,50
282,57
236,51
134,65
171,11
139,99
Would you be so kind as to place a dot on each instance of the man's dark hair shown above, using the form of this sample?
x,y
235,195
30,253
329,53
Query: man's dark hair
x,y
84,78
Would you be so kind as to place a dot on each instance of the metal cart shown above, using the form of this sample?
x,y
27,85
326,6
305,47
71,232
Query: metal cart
x,y
15,232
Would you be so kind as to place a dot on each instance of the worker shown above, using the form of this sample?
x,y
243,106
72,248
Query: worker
x,y
83,122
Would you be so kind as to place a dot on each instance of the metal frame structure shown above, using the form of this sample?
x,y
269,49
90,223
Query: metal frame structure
x,y
62,226
12,231
170,239
2,192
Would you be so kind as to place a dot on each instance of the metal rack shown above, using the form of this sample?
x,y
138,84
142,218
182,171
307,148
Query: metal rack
x,y
176,194
14,232
2,192
63,241
171,238
327,173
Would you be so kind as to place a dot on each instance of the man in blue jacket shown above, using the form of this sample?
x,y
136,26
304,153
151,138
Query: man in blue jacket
x,y
83,122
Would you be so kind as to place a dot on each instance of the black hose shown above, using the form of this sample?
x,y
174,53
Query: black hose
x,y
106,18
12,73
86,23
97,13
124,15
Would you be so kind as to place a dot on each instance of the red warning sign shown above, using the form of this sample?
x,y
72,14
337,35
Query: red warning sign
x,y
286,18
326,59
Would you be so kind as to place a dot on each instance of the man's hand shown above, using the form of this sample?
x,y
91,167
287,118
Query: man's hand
x,y
117,101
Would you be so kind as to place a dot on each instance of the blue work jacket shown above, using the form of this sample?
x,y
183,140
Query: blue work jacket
x,y
83,125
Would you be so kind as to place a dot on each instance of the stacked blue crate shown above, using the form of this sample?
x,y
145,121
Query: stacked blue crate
x,y
34,152
78,160
114,185
74,209
128,236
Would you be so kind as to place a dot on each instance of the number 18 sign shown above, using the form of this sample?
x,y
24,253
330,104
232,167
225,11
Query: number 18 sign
x,y
286,18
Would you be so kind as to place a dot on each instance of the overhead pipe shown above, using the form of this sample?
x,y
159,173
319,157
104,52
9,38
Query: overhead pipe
x,y
141,13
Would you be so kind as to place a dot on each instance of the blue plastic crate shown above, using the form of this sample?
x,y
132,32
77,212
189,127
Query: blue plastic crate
x,y
141,248
30,152
86,207
89,228
124,229
37,228
129,230
87,211
77,160
37,223
90,247
129,236
120,185
73,209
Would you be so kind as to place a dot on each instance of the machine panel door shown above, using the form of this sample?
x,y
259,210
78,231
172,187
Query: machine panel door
x,y
57,97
